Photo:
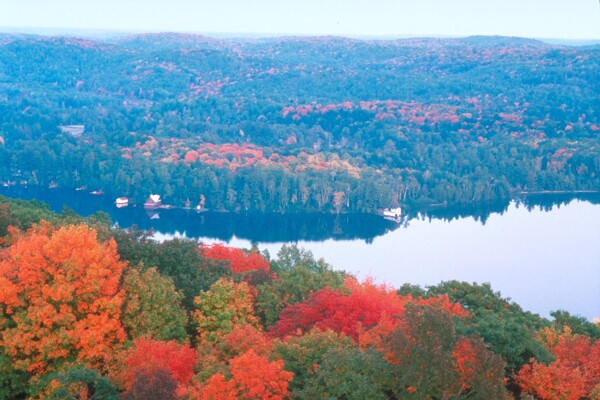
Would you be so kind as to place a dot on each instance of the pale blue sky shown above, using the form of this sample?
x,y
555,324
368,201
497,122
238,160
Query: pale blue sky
x,y
561,19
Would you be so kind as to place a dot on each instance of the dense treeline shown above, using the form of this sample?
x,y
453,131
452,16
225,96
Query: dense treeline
x,y
300,124
88,310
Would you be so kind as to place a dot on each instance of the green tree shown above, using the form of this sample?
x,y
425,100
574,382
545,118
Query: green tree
x,y
22,214
510,331
434,362
303,355
75,382
225,305
350,374
178,259
152,306
299,276
13,382
578,325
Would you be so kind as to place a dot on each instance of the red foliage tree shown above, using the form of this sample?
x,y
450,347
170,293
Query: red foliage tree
x,y
191,157
240,260
156,384
148,356
350,312
575,373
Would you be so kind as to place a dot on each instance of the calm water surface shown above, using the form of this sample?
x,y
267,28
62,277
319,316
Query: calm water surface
x,y
541,251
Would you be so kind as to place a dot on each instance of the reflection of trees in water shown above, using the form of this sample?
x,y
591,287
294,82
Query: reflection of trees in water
x,y
481,212
546,201
269,228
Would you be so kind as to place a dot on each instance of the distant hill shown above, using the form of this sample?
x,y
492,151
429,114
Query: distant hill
x,y
300,123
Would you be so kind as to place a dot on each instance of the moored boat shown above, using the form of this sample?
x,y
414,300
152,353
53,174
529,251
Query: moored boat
x,y
395,213
122,202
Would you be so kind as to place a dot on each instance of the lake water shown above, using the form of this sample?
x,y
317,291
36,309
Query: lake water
x,y
542,251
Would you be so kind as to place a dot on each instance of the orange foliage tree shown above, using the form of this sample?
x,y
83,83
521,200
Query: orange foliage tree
x,y
214,357
60,298
575,374
253,377
239,260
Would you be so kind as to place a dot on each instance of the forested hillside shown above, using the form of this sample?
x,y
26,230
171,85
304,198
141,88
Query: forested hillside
x,y
300,124
91,311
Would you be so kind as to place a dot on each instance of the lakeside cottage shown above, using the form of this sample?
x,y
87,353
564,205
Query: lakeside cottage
x,y
153,201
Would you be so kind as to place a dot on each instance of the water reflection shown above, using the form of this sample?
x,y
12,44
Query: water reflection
x,y
540,250
272,227
482,212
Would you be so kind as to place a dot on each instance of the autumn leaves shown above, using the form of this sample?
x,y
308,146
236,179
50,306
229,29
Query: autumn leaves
x,y
61,298
77,320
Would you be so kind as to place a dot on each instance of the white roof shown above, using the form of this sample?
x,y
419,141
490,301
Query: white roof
x,y
155,198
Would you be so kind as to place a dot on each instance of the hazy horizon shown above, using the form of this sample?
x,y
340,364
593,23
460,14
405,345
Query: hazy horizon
x,y
575,20
109,34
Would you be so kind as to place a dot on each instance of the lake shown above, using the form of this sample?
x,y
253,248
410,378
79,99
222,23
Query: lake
x,y
542,251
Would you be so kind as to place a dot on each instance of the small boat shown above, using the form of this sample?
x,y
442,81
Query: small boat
x,y
122,202
97,192
200,206
394,213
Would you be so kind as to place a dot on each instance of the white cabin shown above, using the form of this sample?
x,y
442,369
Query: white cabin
x,y
122,202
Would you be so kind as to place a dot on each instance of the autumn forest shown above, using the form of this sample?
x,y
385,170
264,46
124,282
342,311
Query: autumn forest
x,y
299,124
88,310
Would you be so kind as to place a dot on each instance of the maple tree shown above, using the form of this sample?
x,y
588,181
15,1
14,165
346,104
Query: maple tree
x,y
60,298
239,260
154,384
152,306
299,276
147,356
253,377
214,356
356,308
574,374
225,305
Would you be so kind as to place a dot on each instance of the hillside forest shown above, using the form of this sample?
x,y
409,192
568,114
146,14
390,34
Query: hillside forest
x,y
297,124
